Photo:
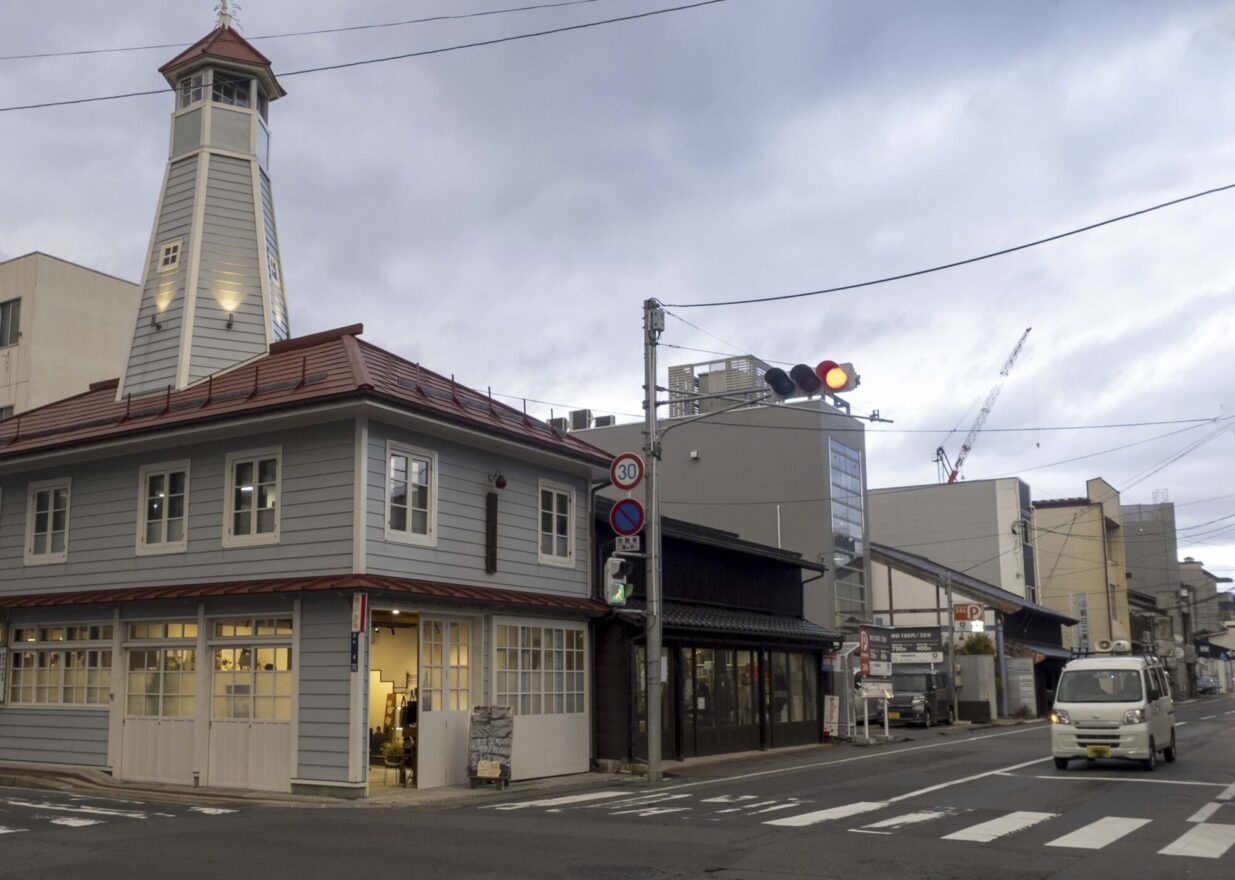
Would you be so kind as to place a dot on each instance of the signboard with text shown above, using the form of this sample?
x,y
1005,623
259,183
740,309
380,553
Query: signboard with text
x,y
920,644
875,651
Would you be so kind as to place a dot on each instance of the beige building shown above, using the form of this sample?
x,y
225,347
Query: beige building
x,y
62,326
1082,564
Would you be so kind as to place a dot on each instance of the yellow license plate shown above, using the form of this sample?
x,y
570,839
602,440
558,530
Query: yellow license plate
x,y
894,716
1098,751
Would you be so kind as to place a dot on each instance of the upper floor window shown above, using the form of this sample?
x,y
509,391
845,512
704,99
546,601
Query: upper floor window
x,y
229,89
6,412
163,519
557,543
190,88
169,256
263,104
10,322
47,522
411,494
252,515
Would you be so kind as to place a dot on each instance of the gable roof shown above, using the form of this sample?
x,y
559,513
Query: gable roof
x,y
989,594
320,368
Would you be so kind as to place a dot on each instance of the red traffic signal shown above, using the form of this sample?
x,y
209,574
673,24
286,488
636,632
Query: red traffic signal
x,y
802,381
836,377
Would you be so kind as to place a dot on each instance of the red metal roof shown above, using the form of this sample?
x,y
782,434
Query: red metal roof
x,y
222,42
405,586
320,368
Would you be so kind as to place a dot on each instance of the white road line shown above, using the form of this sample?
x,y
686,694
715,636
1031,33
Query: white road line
x,y
896,823
645,801
1202,842
71,822
559,801
653,811
211,811
985,832
788,806
4,830
999,772
1098,834
1227,793
745,807
1207,717
89,811
1205,812
729,799
1085,777
1181,723
827,815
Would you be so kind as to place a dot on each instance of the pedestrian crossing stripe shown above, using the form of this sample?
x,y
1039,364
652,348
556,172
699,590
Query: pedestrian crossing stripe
x,y
985,832
1098,834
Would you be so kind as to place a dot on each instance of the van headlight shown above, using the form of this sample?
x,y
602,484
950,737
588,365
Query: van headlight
x,y
919,702
1060,716
1134,716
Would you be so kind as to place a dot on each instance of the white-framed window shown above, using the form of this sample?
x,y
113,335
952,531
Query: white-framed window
x,y
540,669
163,508
556,526
60,665
275,278
169,255
252,668
162,682
190,89
47,522
252,511
230,89
411,494
10,322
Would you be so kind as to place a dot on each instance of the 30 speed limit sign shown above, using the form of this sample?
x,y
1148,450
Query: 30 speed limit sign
x,y
626,472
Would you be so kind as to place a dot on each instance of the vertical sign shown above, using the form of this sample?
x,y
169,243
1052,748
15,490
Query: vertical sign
x,y
1080,610
4,657
875,643
831,714
360,612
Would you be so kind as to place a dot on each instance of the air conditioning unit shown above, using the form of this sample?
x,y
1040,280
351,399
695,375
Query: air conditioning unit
x,y
580,419
605,421
1104,646
558,424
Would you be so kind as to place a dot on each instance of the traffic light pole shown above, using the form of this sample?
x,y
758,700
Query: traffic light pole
x,y
653,326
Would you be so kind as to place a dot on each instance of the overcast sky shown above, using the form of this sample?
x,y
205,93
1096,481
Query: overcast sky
x,y
500,213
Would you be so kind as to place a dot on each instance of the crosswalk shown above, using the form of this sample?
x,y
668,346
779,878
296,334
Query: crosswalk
x,y
1208,834
22,814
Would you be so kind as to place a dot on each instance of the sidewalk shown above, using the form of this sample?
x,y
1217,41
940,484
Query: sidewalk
x,y
85,780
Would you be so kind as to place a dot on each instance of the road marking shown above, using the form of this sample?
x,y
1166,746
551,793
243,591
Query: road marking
x,y
985,832
729,799
1227,793
211,811
1207,717
1202,842
1181,723
4,830
896,823
652,811
745,807
89,811
1206,811
1098,834
559,801
827,815
1084,777
646,800
787,806
1000,771
76,823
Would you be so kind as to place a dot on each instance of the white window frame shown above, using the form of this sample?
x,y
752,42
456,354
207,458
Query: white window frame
x,y
170,249
533,691
253,539
10,322
165,469
48,558
567,561
407,536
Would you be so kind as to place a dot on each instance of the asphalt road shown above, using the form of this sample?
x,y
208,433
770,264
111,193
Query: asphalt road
x,y
987,803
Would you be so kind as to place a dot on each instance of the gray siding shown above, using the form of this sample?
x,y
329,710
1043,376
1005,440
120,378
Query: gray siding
x,y
315,518
54,736
325,687
187,132
154,357
230,129
463,481
229,280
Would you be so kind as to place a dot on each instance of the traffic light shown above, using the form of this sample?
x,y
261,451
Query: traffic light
x,y
617,580
802,381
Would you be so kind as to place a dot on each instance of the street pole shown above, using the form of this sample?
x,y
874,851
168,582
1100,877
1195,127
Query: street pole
x,y
653,326
951,619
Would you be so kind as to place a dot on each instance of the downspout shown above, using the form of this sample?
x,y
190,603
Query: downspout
x,y
1003,665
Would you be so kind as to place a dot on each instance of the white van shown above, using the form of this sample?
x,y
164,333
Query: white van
x,y
1113,706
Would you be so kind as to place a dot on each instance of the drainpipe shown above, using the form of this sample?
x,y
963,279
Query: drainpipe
x,y
1003,665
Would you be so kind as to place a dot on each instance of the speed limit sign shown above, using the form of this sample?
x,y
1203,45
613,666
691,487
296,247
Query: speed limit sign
x,y
626,472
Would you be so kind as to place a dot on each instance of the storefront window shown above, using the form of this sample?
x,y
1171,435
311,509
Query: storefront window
x,y
540,669
49,669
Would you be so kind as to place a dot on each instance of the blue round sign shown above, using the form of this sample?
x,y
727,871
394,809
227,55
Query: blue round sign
x,y
626,518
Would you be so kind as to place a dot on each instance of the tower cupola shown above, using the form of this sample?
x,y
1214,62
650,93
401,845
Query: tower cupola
x,y
212,286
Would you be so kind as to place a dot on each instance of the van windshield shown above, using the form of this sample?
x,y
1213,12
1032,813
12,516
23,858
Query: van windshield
x,y
1100,686
908,682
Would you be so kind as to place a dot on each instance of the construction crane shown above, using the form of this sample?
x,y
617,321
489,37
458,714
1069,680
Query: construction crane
x,y
941,457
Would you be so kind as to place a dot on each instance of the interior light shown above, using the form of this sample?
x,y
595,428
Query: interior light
x,y
396,611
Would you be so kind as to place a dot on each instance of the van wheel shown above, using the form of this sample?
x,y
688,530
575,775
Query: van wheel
x,y
1150,764
1061,763
1169,752
930,720
951,715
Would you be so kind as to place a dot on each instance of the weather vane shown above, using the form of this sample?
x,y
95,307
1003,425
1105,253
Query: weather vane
x,y
225,11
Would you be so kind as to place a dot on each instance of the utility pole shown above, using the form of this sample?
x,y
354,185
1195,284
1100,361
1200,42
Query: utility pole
x,y
653,326
951,618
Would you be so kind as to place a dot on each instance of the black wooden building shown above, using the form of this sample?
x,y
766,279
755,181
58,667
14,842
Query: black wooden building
x,y
743,664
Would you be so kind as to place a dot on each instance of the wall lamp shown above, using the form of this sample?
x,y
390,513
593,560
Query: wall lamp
x,y
154,322
497,480
231,320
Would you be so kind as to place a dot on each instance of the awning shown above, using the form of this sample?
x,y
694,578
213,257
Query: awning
x,y
681,617
1055,652
455,593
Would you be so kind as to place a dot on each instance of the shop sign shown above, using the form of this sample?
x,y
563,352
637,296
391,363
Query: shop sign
x,y
831,713
923,644
360,612
875,651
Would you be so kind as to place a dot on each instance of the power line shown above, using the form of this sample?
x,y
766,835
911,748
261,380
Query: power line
x,y
957,263
318,32
388,58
